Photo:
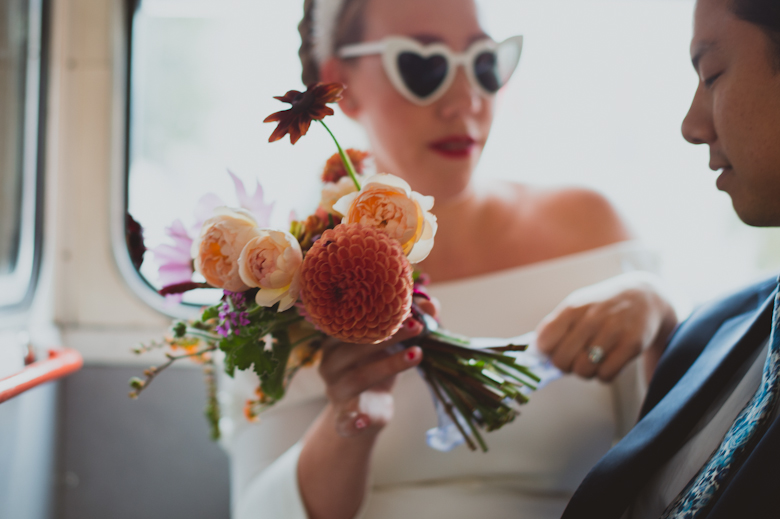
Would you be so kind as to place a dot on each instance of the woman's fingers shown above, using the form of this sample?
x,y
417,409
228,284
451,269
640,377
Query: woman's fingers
x,y
623,316
364,377
576,339
617,327
587,363
627,349
429,306
339,358
554,328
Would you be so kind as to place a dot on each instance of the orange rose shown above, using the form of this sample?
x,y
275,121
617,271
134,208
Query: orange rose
x,y
387,203
332,192
216,251
270,261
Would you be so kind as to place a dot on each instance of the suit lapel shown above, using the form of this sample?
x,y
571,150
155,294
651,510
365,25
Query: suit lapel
x,y
615,481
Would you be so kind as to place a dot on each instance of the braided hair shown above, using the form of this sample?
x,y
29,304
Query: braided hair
x,y
349,29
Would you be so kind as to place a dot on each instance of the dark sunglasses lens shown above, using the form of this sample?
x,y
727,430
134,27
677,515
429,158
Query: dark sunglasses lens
x,y
486,71
422,75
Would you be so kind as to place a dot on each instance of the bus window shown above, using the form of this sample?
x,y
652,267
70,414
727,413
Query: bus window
x,y
199,89
20,68
597,101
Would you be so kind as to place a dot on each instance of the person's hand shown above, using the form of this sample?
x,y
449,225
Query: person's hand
x,y
360,377
598,329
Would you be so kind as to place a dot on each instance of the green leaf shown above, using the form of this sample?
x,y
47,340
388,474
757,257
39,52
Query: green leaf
x,y
273,384
245,351
179,329
211,312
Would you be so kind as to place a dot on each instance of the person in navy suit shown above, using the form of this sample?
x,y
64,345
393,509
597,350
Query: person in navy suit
x,y
716,362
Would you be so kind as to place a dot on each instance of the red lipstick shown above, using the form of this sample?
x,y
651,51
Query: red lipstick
x,y
454,146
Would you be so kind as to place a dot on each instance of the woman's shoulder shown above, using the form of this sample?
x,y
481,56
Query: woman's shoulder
x,y
579,216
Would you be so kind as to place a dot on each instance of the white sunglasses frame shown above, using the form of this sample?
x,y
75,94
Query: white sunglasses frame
x,y
391,47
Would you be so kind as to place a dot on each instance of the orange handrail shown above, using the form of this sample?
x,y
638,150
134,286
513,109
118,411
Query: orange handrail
x,y
59,364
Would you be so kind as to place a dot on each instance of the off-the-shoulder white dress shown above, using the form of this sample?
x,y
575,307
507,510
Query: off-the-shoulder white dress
x,y
534,463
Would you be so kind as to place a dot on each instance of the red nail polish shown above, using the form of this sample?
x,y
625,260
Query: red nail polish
x,y
411,323
361,423
411,355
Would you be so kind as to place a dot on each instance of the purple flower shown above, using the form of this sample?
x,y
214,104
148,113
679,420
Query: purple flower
x,y
232,314
204,210
255,203
174,258
223,330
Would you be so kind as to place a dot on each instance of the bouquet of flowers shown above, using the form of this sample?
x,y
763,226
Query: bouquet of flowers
x,y
344,272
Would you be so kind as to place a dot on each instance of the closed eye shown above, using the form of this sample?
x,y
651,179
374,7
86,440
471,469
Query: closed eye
x,y
710,80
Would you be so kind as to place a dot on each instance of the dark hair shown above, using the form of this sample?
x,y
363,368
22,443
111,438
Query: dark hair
x,y
349,29
765,14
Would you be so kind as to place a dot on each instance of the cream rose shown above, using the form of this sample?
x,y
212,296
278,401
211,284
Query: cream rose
x,y
271,261
388,203
332,192
217,249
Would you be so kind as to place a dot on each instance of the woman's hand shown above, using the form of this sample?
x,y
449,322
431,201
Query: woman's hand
x,y
334,462
619,318
359,380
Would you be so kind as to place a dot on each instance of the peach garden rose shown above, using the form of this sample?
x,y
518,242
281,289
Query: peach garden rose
x,y
271,261
217,249
332,192
387,203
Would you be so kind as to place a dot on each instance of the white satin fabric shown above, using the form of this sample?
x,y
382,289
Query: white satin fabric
x,y
534,464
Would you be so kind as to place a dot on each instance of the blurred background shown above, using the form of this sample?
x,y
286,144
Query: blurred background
x,y
109,106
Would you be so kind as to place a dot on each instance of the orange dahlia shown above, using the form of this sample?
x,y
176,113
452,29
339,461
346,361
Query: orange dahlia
x,y
357,284
335,169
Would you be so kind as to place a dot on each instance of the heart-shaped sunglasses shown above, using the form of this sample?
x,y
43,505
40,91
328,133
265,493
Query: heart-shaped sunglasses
x,y
423,73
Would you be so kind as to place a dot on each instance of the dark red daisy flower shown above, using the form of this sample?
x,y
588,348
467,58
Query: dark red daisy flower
x,y
134,235
306,107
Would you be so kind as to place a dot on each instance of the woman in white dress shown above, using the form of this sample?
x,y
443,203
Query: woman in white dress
x,y
349,440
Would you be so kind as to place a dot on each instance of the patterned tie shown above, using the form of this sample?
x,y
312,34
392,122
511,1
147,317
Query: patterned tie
x,y
701,492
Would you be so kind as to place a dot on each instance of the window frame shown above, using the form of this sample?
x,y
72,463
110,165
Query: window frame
x,y
18,288
137,283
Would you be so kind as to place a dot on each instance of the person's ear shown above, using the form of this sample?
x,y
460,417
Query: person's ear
x,y
335,71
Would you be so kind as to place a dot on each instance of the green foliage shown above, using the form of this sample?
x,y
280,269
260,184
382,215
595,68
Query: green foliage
x,y
246,350
179,329
212,312
212,410
479,388
273,384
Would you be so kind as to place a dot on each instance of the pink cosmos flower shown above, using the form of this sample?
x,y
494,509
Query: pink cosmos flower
x,y
255,203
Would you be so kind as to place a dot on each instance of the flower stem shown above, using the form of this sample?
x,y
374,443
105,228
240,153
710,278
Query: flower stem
x,y
212,410
344,158
203,334
153,371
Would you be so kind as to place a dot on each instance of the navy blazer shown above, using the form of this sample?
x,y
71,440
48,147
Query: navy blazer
x,y
703,355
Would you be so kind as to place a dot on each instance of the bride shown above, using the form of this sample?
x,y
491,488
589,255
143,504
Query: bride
x,y
350,440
